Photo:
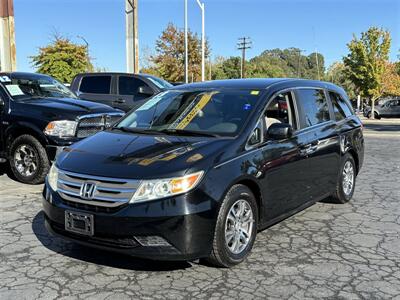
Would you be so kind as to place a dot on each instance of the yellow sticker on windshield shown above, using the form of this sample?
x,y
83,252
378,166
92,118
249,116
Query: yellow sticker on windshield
x,y
190,116
255,93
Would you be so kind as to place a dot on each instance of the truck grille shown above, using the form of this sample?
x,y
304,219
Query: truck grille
x,y
104,194
91,124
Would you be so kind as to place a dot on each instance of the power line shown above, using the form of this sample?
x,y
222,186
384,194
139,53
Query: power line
x,y
243,44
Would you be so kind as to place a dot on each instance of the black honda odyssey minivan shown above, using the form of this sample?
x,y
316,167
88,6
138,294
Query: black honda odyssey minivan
x,y
198,170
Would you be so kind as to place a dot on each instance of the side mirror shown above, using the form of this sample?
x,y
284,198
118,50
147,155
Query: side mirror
x,y
255,137
280,131
1,103
145,90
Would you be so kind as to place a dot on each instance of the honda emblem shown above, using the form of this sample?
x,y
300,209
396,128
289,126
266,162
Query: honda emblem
x,y
88,190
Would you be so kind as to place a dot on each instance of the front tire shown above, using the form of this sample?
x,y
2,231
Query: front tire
x,y
346,181
28,160
236,227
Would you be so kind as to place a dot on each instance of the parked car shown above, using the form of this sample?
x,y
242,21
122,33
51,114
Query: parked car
x,y
38,117
389,108
119,90
198,170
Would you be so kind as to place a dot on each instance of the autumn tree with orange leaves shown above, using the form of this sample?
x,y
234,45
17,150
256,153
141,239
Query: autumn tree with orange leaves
x,y
169,60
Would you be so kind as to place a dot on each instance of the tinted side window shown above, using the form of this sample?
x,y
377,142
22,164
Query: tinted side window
x,y
337,109
129,85
313,107
340,104
395,103
96,84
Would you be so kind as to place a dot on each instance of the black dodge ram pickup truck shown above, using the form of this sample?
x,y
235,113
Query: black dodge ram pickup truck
x,y
38,117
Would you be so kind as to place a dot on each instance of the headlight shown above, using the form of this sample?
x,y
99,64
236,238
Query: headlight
x,y
52,177
61,128
161,188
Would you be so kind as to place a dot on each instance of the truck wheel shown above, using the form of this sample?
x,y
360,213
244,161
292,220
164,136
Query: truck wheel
x,y
28,160
236,227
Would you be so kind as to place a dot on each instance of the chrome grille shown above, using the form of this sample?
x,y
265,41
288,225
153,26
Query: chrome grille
x,y
109,193
91,124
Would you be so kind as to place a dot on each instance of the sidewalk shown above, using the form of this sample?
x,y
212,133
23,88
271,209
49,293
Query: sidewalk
x,y
381,121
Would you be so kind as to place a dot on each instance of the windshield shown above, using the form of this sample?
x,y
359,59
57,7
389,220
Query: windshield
x,y
221,113
162,84
22,88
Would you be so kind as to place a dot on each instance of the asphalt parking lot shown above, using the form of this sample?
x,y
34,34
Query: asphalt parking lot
x,y
349,251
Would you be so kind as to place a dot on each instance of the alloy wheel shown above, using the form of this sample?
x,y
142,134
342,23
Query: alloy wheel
x,y
239,226
25,160
348,178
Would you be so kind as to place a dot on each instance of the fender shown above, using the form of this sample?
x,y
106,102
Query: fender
x,y
348,142
25,128
253,184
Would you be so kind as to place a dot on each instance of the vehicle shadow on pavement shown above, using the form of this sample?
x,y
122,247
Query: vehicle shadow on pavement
x,y
97,256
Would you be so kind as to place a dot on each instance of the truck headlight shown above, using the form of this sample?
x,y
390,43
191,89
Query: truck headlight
x,y
52,177
161,188
61,129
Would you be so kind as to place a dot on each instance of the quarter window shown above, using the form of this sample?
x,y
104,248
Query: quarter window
x,y
313,107
340,107
96,84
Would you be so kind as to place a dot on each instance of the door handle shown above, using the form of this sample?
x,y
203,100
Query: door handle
x,y
315,143
119,101
309,148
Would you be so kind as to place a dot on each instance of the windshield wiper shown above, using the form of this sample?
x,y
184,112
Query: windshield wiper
x,y
136,130
166,131
188,132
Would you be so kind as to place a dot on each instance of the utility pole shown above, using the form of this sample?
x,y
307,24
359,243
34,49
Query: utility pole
x,y
132,36
243,44
8,57
203,41
87,51
210,68
316,59
298,63
186,43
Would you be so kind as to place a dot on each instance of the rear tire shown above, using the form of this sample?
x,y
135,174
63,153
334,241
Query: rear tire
x,y
28,160
346,181
236,228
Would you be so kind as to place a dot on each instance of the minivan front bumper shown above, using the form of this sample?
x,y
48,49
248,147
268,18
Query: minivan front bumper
x,y
185,223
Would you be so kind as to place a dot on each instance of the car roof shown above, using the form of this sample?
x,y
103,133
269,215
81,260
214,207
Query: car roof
x,y
258,84
114,73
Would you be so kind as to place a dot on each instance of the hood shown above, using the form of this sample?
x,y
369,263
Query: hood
x,y
125,155
69,105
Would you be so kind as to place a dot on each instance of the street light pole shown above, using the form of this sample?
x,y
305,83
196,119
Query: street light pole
x,y
8,57
132,36
186,46
203,40
87,51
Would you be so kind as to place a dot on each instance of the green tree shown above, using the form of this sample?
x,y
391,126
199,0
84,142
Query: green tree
x,y
337,74
227,68
287,63
366,62
62,59
170,55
